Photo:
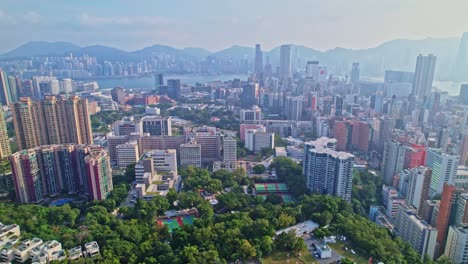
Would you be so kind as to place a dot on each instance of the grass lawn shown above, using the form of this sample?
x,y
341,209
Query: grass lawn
x,y
281,257
339,248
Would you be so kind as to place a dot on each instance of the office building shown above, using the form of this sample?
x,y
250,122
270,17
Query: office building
x,y
210,147
415,155
158,80
230,152
157,125
419,180
251,116
255,140
328,171
51,121
126,127
285,63
355,72
461,179
444,168
53,169
249,95
5,150
419,234
245,127
127,153
112,143
424,75
173,88
258,61
456,248
385,128
65,85
293,107
338,105
163,160
393,160
190,155
118,95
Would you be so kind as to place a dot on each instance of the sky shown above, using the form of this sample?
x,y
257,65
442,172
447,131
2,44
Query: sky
x,y
218,24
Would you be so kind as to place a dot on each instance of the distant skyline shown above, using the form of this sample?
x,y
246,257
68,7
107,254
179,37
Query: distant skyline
x,y
215,25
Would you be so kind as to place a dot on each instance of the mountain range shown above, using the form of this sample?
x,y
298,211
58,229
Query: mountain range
x,y
397,54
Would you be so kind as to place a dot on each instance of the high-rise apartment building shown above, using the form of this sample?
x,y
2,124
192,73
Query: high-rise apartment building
x,y
51,121
342,132
157,126
393,160
328,171
190,155
258,61
419,180
424,75
285,63
5,150
419,234
385,128
444,168
446,214
53,169
456,248
361,135
464,149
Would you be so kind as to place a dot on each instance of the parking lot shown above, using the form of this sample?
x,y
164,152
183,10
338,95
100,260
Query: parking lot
x,y
309,240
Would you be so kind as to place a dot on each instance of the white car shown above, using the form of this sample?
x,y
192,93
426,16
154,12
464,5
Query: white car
x,y
353,252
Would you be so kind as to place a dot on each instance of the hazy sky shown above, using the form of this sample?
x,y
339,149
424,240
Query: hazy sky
x,y
217,24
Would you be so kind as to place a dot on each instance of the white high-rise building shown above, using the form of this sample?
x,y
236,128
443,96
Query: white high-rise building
x,y
230,152
416,231
66,85
419,180
322,127
456,247
393,160
444,168
127,153
190,155
424,75
255,141
285,63
164,160
328,171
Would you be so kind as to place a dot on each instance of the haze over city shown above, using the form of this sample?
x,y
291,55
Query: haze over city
x,y
215,132
215,25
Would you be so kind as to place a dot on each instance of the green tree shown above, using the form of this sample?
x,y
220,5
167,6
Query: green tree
x,y
259,169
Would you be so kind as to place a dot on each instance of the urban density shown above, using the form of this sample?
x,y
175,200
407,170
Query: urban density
x,y
246,155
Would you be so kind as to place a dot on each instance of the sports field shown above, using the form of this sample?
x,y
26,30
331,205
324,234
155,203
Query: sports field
x,y
177,222
270,187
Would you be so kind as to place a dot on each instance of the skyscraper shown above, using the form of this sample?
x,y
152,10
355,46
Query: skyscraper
x,y
393,160
460,70
173,88
258,61
158,80
5,96
210,147
385,128
355,72
456,247
249,95
5,150
312,70
444,168
338,105
463,97
293,107
51,121
419,180
285,63
328,171
424,75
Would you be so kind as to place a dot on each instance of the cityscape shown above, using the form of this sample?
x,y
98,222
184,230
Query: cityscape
x,y
262,152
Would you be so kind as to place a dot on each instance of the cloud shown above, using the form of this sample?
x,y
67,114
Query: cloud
x,y
87,19
30,17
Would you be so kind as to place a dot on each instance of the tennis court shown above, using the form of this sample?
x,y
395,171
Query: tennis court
x,y
270,187
176,222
